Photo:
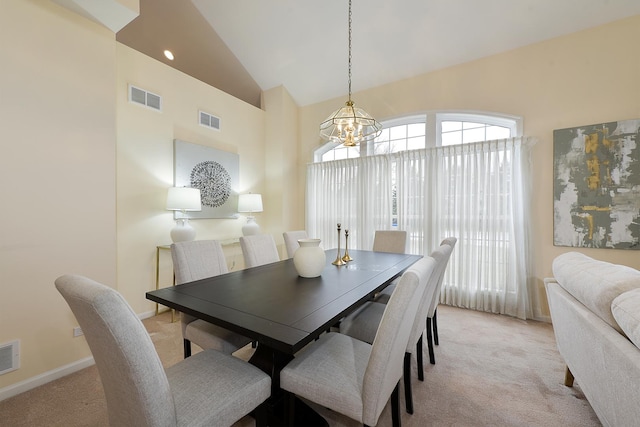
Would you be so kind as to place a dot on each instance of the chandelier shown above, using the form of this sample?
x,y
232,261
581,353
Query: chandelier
x,y
350,125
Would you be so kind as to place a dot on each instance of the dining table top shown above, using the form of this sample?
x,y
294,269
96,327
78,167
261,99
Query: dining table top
x,y
274,306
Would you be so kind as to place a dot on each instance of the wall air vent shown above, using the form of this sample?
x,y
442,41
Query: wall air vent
x,y
209,120
9,356
146,98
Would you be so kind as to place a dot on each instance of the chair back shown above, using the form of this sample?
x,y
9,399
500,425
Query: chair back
x,y
259,249
197,260
134,381
291,240
384,368
451,242
390,241
441,256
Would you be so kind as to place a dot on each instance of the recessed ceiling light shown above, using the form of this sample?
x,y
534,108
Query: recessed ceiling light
x,y
168,54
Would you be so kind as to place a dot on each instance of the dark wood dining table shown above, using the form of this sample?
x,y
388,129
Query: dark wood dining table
x,y
281,311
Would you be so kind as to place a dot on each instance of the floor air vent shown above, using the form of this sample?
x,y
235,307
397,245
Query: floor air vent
x,y
146,98
209,120
9,357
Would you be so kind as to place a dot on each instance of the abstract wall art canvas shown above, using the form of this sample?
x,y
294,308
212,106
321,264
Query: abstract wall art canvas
x,y
596,187
214,172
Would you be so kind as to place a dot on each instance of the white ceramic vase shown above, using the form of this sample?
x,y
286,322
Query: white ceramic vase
x,y
309,258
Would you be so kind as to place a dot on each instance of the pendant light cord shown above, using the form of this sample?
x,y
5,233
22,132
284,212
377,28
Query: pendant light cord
x,y
349,51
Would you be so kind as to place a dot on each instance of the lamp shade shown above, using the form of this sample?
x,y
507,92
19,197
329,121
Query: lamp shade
x,y
250,203
183,199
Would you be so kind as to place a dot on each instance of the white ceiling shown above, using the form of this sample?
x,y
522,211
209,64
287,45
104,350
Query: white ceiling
x,y
302,44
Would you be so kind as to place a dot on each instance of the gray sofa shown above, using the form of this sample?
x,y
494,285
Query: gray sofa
x,y
595,310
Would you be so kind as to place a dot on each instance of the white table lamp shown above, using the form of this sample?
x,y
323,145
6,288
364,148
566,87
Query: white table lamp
x,y
183,199
250,203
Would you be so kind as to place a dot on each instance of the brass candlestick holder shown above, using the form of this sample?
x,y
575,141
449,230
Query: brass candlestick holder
x,y
338,260
346,257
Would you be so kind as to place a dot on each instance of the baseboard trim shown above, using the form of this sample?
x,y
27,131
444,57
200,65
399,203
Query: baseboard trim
x,y
541,318
146,315
44,378
54,374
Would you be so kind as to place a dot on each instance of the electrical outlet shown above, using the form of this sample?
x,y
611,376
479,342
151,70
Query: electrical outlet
x,y
77,331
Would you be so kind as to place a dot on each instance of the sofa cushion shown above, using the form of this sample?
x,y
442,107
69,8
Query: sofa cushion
x,y
595,283
626,310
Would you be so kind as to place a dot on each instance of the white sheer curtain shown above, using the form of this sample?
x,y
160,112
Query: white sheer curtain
x,y
478,193
355,193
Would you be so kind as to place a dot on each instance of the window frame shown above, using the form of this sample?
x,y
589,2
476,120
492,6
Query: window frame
x,y
433,124
514,123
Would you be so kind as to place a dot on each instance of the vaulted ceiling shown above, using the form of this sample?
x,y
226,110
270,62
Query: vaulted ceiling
x,y
245,46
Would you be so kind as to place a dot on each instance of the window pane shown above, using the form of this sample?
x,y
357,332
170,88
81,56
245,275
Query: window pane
x,y
416,129
328,156
452,138
398,132
397,145
498,132
352,152
472,125
384,135
415,143
451,126
340,153
381,148
473,135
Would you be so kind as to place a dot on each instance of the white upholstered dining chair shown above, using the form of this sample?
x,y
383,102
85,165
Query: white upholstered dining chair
x,y
432,320
291,240
355,378
259,249
363,323
390,241
210,388
197,260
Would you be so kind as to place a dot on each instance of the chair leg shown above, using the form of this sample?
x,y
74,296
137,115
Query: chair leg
x,y
435,327
419,359
432,357
187,348
408,396
568,378
395,406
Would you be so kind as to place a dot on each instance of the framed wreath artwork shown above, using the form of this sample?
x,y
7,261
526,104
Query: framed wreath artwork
x,y
214,172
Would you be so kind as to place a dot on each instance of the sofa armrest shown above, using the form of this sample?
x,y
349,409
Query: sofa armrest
x,y
605,364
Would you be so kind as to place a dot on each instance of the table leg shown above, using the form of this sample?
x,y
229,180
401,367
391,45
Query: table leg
x,y
272,361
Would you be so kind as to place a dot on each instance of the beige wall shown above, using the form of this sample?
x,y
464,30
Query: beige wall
x,y
584,78
282,165
145,162
57,168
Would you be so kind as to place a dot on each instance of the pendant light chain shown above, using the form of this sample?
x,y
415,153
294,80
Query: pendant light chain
x,y
350,125
349,50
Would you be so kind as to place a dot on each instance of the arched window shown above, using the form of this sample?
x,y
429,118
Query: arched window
x,y
464,128
428,130
477,190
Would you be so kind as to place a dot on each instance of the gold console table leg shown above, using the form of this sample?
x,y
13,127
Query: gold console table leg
x,y
158,248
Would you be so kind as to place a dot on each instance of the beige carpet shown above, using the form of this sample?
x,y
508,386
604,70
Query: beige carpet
x,y
490,370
